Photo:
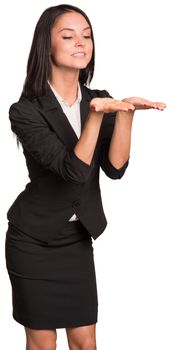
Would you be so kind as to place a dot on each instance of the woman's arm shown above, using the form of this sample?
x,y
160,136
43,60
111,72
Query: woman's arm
x,y
85,147
86,144
45,147
119,149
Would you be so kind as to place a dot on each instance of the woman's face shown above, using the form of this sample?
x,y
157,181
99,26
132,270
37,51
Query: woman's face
x,y
71,43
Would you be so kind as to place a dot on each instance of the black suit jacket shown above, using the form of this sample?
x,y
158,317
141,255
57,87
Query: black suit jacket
x,y
61,183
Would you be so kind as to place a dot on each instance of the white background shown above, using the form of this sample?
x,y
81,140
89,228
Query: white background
x,y
131,256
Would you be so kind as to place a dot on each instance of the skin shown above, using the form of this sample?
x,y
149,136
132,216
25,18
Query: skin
x,y
64,43
64,78
119,150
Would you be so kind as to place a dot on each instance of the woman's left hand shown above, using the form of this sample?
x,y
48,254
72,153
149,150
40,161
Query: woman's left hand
x,y
141,103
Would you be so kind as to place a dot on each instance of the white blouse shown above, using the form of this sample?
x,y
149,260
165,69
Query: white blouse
x,y
73,114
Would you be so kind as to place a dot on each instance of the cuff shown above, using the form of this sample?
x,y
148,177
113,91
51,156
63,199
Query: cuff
x,y
78,170
113,172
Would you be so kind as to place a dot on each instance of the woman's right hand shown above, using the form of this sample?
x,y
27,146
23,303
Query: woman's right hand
x,y
108,105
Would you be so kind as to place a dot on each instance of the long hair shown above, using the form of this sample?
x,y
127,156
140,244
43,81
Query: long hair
x,y
39,64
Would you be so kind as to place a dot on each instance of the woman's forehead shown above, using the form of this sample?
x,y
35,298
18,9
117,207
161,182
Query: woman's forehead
x,y
71,20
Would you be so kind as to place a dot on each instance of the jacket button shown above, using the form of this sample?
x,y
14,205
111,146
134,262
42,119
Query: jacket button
x,y
76,204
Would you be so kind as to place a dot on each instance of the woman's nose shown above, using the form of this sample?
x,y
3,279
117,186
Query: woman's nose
x,y
80,42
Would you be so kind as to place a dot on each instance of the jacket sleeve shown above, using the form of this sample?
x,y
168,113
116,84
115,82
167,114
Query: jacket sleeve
x,y
106,133
44,145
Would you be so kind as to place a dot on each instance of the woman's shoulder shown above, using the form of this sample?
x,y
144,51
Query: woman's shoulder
x,y
96,92
22,109
21,102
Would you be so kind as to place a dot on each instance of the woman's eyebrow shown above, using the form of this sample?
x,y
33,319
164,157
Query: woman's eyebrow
x,y
72,29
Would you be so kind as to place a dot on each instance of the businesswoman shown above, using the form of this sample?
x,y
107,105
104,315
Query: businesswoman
x,y
67,131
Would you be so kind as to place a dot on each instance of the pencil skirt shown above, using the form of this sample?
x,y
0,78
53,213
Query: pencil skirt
x,y
53,284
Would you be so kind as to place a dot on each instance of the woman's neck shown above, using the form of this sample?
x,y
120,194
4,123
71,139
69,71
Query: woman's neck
x,y
65,83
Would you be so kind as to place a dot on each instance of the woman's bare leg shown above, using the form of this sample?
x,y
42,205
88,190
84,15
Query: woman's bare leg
x,y
82,338
40,339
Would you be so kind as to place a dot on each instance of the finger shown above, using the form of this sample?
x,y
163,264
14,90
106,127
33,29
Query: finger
x,y
123,109
116,109
159,105
125,106
130,106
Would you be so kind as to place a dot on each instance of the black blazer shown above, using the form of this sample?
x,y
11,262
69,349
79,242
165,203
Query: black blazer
x,y
61,183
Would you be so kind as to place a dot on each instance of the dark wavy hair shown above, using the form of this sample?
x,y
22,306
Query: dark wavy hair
x,y
39,63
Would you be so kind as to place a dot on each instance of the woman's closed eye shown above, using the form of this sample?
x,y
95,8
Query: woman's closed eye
x,y
69,37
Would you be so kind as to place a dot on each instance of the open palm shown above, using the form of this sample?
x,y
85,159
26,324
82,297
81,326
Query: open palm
x,y
141,103
106,105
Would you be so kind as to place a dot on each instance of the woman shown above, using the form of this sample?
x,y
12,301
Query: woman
x,y
67,131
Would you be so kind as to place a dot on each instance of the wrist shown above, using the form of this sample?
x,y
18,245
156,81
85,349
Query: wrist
x,y
122,114
124,117
96,115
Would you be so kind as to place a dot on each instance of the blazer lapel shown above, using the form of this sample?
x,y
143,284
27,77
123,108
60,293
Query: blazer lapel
x,y
56,118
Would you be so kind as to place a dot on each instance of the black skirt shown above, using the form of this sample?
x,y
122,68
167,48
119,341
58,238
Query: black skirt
x,y
53,284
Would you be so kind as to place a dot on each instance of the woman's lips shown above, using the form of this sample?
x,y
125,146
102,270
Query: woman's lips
x,y
79,54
